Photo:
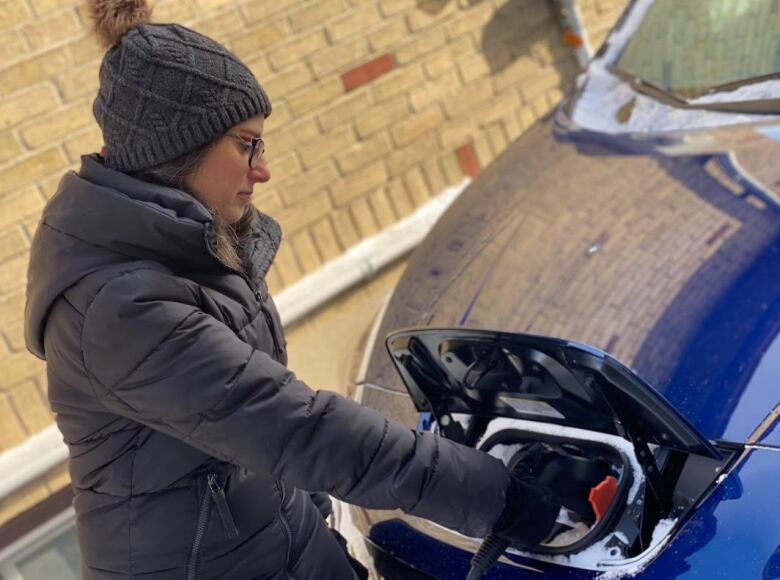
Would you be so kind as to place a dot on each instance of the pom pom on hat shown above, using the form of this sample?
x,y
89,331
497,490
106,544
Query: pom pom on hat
x,y
111,19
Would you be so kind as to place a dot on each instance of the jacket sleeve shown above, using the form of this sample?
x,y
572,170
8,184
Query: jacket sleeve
x,y
153,356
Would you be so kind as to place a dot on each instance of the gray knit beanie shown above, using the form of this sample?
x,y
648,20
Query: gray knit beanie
x,y
165,90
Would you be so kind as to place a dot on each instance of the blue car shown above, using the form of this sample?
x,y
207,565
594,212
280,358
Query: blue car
x,y
609,289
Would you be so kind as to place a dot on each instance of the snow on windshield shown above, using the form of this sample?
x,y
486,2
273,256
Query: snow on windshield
x,y
604,96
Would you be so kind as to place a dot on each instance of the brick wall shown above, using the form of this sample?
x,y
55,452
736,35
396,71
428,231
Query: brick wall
x,y
378,105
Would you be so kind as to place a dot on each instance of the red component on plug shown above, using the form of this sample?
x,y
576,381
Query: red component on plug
x,y
601,496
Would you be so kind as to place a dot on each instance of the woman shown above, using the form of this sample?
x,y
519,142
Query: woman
x,y
194,451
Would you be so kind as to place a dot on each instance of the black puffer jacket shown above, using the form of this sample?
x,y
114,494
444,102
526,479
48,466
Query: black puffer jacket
x,y
190,441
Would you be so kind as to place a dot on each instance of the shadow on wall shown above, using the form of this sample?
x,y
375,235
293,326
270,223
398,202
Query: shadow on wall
x,y
515,30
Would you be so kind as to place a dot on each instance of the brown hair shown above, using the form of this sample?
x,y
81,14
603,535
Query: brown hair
x,y
231,238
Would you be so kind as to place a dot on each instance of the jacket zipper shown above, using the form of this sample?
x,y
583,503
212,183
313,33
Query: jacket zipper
x,y
203,519
223,509
287,531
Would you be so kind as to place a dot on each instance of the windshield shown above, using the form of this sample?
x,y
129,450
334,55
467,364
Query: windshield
x,y
688,47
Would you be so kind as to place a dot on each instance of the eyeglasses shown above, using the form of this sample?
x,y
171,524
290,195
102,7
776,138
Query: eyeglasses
x,y
255,145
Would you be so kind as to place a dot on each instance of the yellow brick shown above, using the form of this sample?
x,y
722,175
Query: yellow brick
x,y
344,108
526,117
9,147
11,429
12,308
520,70
397,82
511,125
259,38
208,5
483,148
301,186
396,192
78,82
540,106
58,478
287,81
284,165
267,200
413,127
419,45
12,46
389,34
473,69
31,169
21,500
382,208
445,60
380,116
325,239
356,20
455,133
13,274
288,135
13,12
345,228
434,176
452,171
58,125
14,335
259,67
30,226
391,7
430,13
501,105
286,264
338,57
359,182
417,186
263,9
324,146
472,20
30,407
303,213
537,86
19,367
274,280
43,7
18,205
26,105
468,100
364,218
363,153
49,31
32,70
307,254
415,152
50,185
496,137
309,98
220,27
83,50
296,49
173,11
88,141
315,13
12,242
433,92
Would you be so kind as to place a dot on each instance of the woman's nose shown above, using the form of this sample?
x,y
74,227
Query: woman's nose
x,y
261,173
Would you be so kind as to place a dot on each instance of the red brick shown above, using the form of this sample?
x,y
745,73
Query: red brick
x,y
367,72
467,160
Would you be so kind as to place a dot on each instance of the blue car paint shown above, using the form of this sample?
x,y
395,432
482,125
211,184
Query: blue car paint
x,y
747,551
734,534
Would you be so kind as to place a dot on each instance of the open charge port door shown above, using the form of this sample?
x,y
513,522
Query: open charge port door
x,y
512,394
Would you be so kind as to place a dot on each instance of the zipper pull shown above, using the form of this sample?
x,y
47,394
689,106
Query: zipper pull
x,y
228,525
258,295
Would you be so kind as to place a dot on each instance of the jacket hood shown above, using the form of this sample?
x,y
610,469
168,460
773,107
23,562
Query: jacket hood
x,y
101,217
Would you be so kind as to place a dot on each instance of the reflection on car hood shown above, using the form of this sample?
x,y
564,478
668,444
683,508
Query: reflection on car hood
x,y
668,263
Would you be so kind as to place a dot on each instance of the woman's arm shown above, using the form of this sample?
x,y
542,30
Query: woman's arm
x,y
153,356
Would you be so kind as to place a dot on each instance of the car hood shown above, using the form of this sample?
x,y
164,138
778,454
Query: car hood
x,y
668,263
